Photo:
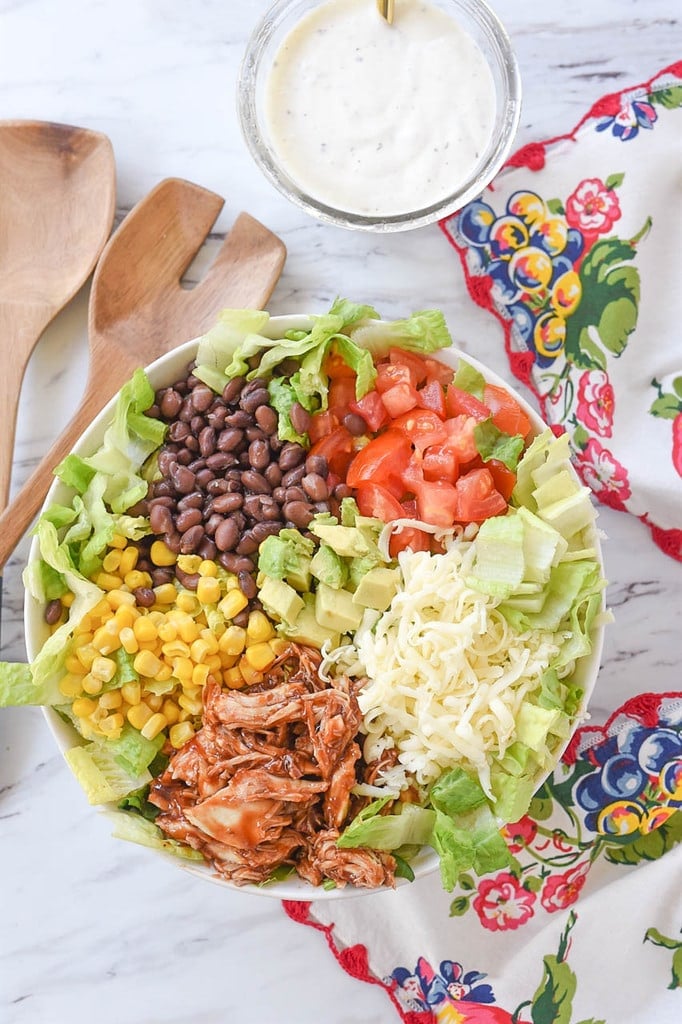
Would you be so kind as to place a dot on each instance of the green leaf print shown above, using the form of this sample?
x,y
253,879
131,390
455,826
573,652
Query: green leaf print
x,y
647,847
555,206
553,1000
607,314
459,906
668,98
667,407
658,939
614,180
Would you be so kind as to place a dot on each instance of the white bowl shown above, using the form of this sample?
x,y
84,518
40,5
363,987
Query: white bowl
x,y
162,372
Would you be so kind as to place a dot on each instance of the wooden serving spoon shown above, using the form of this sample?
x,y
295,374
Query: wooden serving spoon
x,y
57,202
139,310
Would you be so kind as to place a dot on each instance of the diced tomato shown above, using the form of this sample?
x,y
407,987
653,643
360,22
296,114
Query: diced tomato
x,y
337,449
372,410
409,507
422,426
399,399
341,394
412,475
432,396
381,461
477,497
461,403
437,503
408,537
390,374
374,500
507,413
415,363
504,479
461,439
440,463
321,425
336,367
436,370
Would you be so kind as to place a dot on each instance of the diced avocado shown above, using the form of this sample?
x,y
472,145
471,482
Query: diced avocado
x,y
329,568
335,610
346,541
286,556
349,511
377,588
359,567
280,600
306,629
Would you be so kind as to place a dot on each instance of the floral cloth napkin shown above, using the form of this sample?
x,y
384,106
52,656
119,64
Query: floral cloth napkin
x,y
576,250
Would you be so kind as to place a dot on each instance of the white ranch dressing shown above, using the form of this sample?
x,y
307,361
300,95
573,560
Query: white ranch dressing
x,y
374,119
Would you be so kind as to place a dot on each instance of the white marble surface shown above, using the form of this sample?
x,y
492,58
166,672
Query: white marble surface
x,y
96,930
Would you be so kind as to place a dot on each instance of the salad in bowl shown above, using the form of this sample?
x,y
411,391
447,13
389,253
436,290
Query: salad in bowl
x,y
314,605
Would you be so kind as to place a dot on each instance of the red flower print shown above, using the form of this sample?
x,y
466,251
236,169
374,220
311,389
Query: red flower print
x,y
560,891
502,902
520,834
604,474
596,402
592,208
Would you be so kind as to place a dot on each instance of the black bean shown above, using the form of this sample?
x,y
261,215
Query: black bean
x,y
189,580
192,445
256,482
53,612
205,477
165,460
229,439
202,397
170,403
207,441
279,494
216,417
243,460
191,539
144,596
216,486
292,454
262,530
187,519
193,500
212,523
187,411
254,385
162,574
248,544
276,443
242,619
225,503
252,505
160,518
192,381
173,540
232,390
185,456
239,419
226,535
293,477
255,434
259,454
235,563
247,585
342,491
154,412
315,486
182,478
297,512
249,403
355,424
295,494
272,513
300,418
163,489
266,418
197,464
273,474
207,549
321,506
220,460
316,464
197,424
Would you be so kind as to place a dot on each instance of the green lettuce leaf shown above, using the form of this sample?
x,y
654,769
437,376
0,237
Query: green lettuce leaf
x,y
493,443
469,379
136,829
413,825
282,397
424,332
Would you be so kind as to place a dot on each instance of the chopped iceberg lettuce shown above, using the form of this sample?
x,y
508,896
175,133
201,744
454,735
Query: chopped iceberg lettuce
x,y
136,829
412,825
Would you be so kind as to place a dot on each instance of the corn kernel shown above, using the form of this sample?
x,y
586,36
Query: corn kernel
x,y
139,715
208,568
165,593
103,668
185,716
86,655
73,665
228,660
153,701
131,693
168,631
179,734
102,610
112,560
233,678
162,555
209,637
232,604
144,629
200,675
183,668
126,615
156,724
107,640
208,590
128,560
111,700
175,649
189,563
231,582
188,630
194,707
251,674
71,685
118,541
259,627
111,725
108,581
199,650
279,645
187,602
91,685
68,598
164,674
213,663
84,707
260,656
135,579
233,640
146,664
81,640
192,690
171,710
129,640
117,598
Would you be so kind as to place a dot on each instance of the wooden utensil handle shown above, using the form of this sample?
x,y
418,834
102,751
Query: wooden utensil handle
x,y
19,514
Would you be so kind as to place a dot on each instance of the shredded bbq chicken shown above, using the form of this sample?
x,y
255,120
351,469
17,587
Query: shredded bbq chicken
x,y
267,780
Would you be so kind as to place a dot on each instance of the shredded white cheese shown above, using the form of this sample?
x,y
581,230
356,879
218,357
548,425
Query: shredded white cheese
x,y
447,674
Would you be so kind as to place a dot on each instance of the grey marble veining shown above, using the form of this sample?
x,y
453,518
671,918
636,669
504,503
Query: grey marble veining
x,y
94,929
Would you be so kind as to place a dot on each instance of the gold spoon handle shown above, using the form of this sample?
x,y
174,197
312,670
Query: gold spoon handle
x,y
386,9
